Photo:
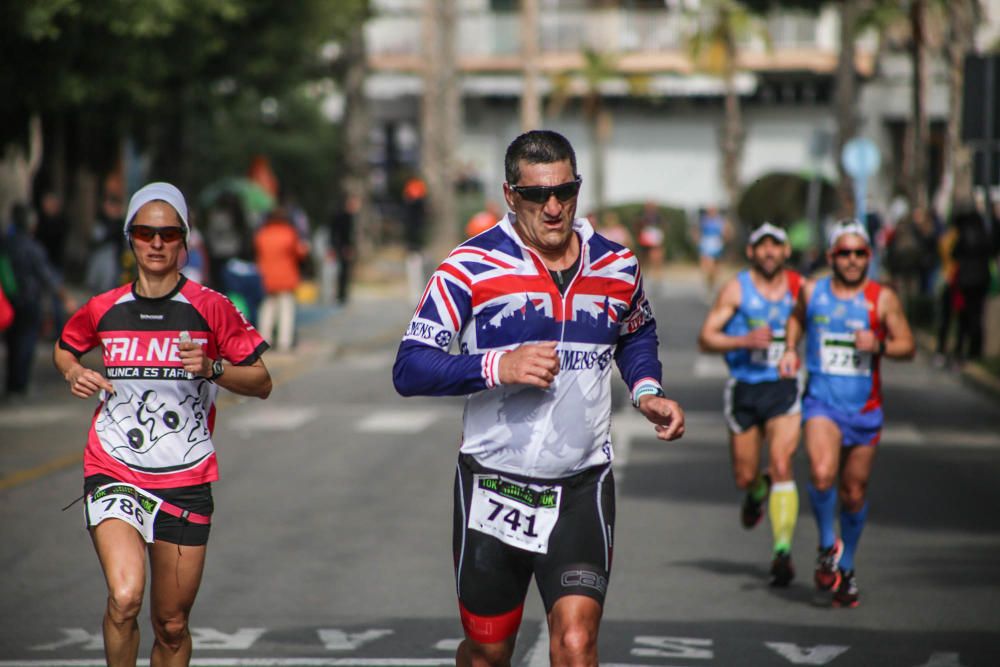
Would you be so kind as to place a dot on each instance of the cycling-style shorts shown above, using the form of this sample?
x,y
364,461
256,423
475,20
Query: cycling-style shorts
x,y
168,528
500,521
748,405
856,428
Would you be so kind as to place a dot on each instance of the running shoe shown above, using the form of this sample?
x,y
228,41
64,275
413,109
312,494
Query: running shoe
x,y
847,592
753,510
827,575
782,570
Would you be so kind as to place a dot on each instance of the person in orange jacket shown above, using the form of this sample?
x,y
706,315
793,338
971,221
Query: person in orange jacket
x,y
279,251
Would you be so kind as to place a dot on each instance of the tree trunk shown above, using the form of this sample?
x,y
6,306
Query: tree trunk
x,y
440,123
921,124
845,100
18,168
531,104
732,132
958,156
355,181
600,134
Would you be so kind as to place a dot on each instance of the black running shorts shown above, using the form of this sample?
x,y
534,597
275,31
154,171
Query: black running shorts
x,y
748,405
167,528
492,576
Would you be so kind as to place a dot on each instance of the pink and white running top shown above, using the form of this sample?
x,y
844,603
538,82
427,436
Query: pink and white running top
x,y
155,431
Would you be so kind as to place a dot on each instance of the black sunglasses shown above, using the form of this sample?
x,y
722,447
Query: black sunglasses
x,y
846,252
146,233
540,194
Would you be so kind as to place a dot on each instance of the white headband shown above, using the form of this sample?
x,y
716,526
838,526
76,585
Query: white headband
x,y
845,227
158,191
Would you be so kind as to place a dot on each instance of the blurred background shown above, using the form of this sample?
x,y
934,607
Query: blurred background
x,y
378,127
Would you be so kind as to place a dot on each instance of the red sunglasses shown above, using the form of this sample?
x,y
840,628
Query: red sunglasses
x,y
146,233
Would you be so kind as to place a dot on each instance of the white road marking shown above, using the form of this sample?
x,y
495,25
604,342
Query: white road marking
x,y
397,421
276,419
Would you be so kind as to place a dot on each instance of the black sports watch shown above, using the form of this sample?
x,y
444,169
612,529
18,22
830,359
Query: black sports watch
x,y
217,370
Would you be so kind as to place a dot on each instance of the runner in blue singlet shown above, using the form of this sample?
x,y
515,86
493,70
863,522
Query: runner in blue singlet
x,y
848,323
747,324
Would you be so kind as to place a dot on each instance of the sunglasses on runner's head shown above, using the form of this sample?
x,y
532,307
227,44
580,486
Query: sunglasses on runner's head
x,y
540,194
146,233
843,253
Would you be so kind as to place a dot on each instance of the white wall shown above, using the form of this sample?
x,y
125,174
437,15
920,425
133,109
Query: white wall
x,y
670,157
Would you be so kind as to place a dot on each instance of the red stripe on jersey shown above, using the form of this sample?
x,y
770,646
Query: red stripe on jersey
x,y
446,298
872,291
452,271
484,256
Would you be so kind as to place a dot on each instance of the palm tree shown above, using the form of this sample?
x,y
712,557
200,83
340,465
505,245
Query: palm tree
x,y
958,157
439,121
713,49
530,98
356,113
846,96
597,68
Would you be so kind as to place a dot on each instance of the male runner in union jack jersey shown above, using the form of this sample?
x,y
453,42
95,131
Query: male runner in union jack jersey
x,y
540,305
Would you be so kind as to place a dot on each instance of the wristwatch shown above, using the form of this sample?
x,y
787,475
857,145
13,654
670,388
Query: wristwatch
x,y
217,370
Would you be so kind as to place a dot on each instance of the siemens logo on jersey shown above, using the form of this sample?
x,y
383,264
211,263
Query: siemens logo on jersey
x,y
426,331
575,360
125,349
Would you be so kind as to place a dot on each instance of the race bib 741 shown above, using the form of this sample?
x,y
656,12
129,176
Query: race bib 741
x,y
521,515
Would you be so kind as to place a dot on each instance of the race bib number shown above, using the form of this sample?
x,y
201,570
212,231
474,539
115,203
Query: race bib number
x,y
520,515
771,355
123,501
839,356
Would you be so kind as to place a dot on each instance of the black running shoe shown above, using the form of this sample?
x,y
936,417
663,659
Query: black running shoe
x,y
827,575
782,570
846,594
753,510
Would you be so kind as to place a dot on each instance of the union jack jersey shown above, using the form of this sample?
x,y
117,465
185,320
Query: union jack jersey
x,y
494,294
155,431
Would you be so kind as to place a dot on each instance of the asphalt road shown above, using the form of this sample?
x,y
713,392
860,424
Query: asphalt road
x,y
331,542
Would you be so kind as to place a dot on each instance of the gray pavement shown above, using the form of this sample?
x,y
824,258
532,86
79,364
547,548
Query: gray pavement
x,y
332,539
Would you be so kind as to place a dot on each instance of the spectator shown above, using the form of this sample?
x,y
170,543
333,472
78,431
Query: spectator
x,y
972,254
414,222
483,220
280,251
51,234
342,244
104,265
34,275
651,237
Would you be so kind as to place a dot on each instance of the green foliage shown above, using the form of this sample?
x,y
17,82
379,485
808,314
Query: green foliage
x,y
781,198
184,79
677,239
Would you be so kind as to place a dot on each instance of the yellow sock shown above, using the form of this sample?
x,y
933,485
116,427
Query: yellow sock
x,y
783,508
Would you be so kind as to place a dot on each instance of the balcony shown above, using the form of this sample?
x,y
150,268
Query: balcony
x,y
645,41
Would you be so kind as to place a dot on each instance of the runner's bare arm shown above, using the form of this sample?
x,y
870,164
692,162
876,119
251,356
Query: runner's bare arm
x,y
788,366
250,380
666,414
713,339
83,382
898,343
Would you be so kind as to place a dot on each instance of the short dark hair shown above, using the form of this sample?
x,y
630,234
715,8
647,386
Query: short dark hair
x,y
537,147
